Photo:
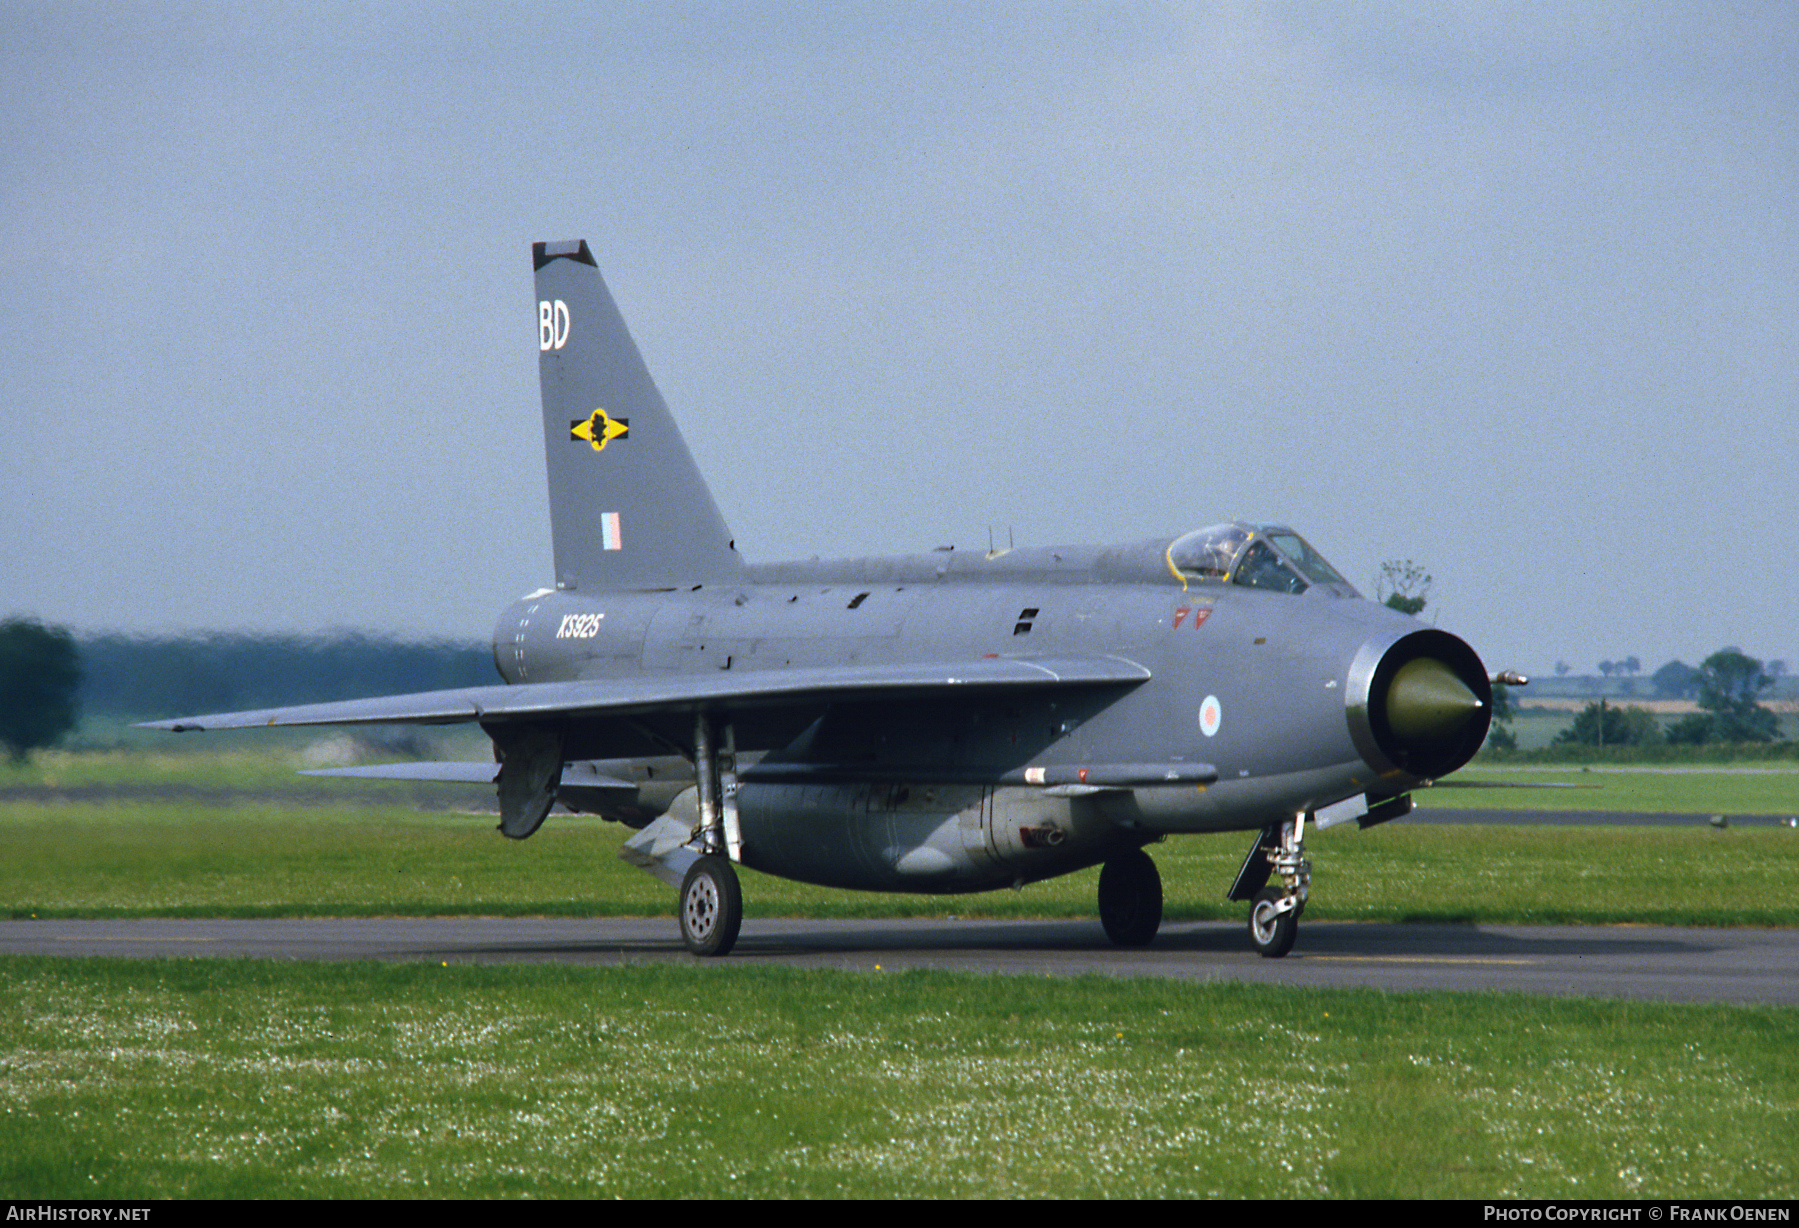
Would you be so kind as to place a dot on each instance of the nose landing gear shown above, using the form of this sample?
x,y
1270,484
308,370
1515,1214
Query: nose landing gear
x,y
1274,911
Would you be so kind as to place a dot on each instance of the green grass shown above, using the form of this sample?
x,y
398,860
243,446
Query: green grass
x,y
268,856
1556,875
111,860
1688,789
270,769
210,1078
112,734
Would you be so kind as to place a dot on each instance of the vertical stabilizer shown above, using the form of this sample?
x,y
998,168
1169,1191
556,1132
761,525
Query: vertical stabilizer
x,y
628,508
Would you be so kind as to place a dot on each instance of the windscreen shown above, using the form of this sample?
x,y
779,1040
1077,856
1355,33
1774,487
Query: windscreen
x,y
1311,564
1262,567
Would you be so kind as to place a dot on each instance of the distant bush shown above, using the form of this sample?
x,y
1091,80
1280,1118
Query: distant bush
x,y
1632,726
1694,729
1662,752
132,676
40,670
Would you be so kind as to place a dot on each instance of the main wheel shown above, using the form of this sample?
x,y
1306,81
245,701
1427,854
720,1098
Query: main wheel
x,y
1130,899
1272,932
711,907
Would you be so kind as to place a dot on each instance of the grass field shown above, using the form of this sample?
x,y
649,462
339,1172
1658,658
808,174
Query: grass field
x,y
210,1078
213,1078
282,845
1661,790
112,860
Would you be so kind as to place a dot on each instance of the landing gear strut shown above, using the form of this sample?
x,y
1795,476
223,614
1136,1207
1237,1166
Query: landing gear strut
x,y
1130,899
711,901
1274,911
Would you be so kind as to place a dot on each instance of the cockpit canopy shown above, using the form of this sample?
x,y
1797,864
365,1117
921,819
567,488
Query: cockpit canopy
x,y
1271,557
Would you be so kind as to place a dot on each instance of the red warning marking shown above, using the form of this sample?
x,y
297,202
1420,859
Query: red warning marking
x,y
1179,614
989,656
1200,616
1083,775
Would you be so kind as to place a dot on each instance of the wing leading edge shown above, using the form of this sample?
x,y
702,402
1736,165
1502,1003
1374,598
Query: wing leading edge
x,y
723,691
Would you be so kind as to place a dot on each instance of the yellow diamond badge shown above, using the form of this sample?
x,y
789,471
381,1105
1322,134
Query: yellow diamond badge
x,y
599,429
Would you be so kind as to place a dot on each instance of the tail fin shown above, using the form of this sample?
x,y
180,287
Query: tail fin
x,y
628,508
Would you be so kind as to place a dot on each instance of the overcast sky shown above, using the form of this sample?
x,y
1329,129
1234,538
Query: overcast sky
x,y
1510,289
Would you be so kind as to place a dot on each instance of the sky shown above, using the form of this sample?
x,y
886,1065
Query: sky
x,y
1507,289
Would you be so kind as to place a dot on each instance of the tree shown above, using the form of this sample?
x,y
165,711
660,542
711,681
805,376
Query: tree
x,y
1503,707
40,670
1693,729
1500,735
1675,680
1403,586
1640,727
1619,727
1729,684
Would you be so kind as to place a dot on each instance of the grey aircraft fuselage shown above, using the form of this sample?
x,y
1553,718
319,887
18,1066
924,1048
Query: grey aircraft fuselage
x,y
1279,671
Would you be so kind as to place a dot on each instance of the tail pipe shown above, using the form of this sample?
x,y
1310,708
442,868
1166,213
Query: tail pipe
x,y
1420,705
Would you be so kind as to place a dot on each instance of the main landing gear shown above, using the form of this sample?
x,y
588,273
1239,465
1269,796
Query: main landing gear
x,y
1130,899
711,900
1274,911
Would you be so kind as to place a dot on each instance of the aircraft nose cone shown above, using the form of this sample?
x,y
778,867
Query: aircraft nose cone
x,y
1428,705
1420,704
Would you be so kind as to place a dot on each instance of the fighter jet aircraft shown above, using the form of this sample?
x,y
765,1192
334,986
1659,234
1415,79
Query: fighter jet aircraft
x,y
946,722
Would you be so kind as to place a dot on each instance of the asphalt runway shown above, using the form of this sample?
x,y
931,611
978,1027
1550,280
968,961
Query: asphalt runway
x,y
1647,962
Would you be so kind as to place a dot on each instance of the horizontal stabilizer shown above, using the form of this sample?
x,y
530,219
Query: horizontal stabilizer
x,y
719,690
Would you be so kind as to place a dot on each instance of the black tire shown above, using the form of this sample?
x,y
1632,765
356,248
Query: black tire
x,y
1271,932
1130,899
711,907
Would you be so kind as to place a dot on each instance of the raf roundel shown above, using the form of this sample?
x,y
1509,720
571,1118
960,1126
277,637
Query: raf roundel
x,y
1211,715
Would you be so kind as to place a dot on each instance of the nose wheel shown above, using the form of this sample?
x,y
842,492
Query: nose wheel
x,y
1273,922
